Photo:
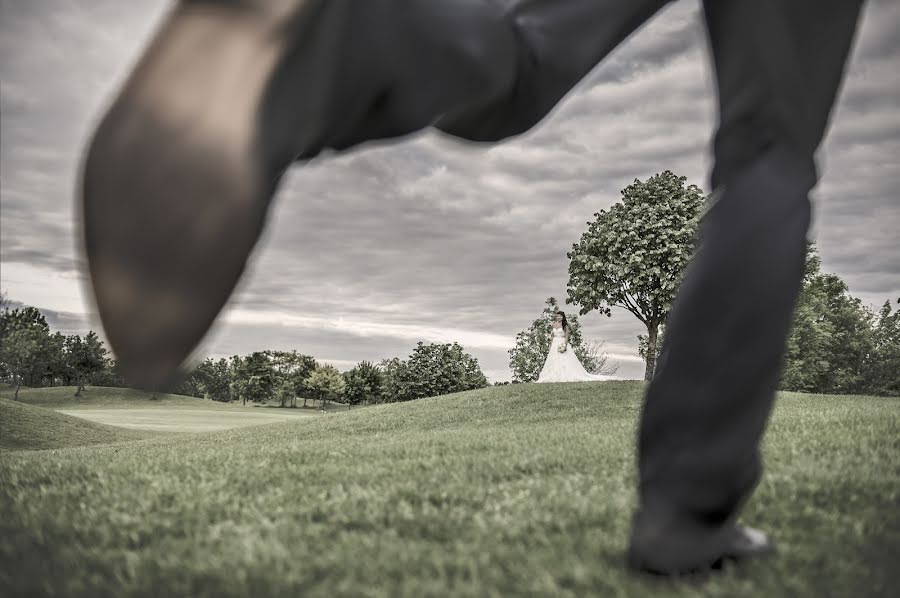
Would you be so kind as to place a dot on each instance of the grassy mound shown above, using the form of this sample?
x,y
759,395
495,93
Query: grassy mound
x,y
62,397
25,426
515,490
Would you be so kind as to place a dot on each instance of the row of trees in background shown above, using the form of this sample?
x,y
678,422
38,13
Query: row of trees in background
x,y
31,356
431,370
838,345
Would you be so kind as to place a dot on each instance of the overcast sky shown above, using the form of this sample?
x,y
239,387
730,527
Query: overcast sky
x,y
431,240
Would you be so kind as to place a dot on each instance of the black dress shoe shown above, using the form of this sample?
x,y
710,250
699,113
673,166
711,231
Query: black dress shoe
x,y
180,172
685,550
746,542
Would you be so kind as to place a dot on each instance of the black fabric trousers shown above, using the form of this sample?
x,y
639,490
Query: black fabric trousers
x,y
485,71
779,65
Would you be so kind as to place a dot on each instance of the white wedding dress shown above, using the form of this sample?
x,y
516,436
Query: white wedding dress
x,y
565,367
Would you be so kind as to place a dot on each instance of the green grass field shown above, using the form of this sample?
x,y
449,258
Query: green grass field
x,y
23,426
92,397
514,490
137,410
180,420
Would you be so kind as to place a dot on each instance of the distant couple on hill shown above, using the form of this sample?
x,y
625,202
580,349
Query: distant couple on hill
x,y
562,365
180,174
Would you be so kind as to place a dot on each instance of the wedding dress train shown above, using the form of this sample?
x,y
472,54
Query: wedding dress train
x,y
565,366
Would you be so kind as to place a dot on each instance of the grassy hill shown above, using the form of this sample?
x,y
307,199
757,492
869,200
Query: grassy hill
x,y
514,490
95,396
25,426
124,408
62,397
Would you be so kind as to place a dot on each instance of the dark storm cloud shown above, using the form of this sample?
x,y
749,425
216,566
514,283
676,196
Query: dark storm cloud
x,y
429,238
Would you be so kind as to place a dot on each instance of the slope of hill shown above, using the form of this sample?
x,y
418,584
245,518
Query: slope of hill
x,y
63,397
24,426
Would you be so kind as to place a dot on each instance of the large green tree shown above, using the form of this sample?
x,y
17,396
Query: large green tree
x,y
212,379
291,369
20,349
432,369
634,254
110,376
85,357
395,380
831,335
362,384
325,383
54,368
881,370
442,368
25,346
532,344
252,378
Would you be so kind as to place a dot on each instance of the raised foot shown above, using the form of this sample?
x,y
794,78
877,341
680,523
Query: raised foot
x,y
176,187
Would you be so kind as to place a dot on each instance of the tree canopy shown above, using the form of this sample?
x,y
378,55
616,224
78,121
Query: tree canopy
x,y
634,254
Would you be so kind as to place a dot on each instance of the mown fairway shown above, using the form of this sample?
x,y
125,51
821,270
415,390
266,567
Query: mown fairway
x,y
516,490
24,426
178,420
136,410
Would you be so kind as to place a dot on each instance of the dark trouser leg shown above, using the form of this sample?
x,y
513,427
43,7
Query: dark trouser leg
x,y
778,65
481,70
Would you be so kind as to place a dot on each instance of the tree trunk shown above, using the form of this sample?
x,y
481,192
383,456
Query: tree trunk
x,y
652,332
77,386
18,386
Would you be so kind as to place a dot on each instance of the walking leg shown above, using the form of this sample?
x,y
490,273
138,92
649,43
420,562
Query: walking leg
x,y
778,65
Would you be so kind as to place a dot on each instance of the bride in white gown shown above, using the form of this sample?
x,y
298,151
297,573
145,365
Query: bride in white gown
x,y
562,364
